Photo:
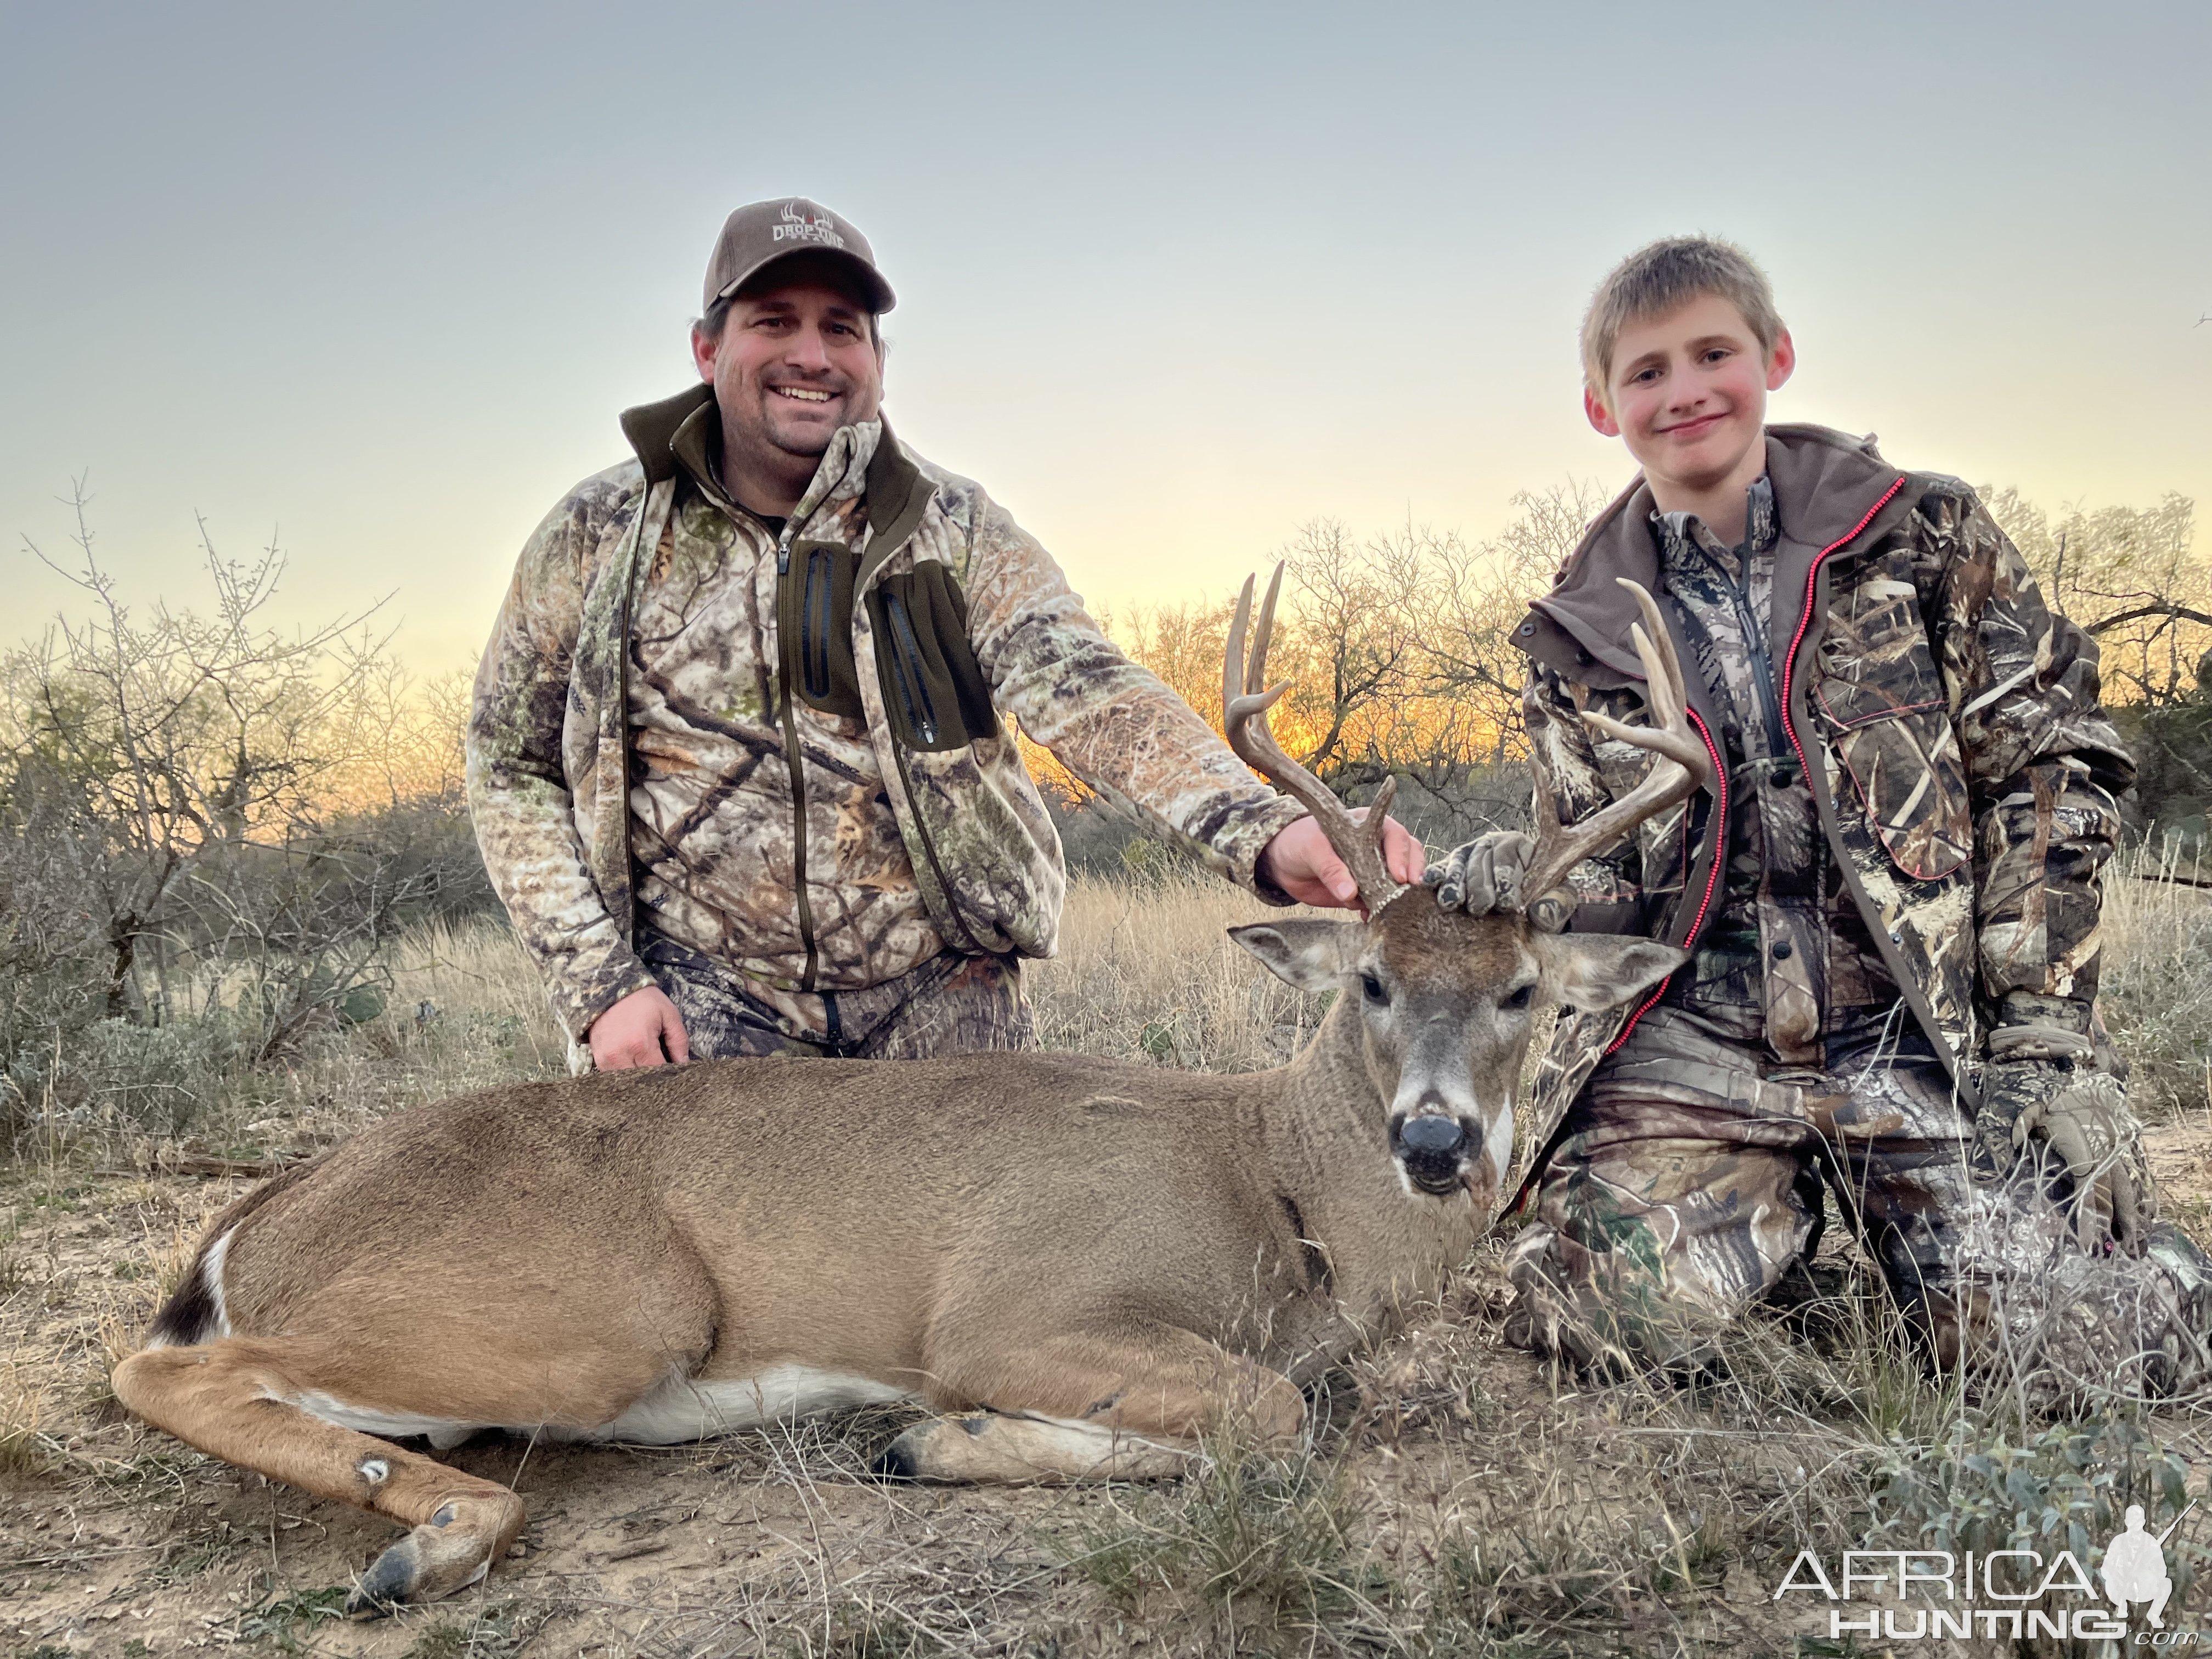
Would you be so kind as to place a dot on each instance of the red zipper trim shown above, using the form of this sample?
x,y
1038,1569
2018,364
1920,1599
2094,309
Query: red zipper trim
x,y
1805,621
1712,876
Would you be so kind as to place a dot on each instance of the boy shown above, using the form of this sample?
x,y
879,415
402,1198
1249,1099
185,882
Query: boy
x,y
1892,894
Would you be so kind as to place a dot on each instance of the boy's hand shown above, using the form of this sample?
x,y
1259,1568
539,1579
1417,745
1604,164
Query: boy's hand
x,y
1484,875
1300,862
2058,1118
641,1030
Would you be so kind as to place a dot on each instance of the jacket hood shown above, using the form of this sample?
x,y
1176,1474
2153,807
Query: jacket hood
x,y
1826,485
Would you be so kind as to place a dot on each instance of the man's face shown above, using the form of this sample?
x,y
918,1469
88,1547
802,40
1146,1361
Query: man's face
x,y
791,365
1687,393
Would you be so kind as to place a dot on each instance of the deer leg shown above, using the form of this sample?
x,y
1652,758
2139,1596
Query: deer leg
x,y
232,1399
1081,1407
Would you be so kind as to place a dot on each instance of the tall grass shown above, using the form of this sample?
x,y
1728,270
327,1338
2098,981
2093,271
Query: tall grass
x,y
2155,982
1145,969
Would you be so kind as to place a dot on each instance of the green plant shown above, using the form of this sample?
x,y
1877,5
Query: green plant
x,y
2068,1487
278,1619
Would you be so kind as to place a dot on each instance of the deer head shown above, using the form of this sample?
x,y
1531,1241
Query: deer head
x,y
1437,1007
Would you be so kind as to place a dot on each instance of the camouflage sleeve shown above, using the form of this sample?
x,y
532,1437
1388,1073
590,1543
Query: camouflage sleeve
x,y
1112,723
519,798
2044,766
1563,759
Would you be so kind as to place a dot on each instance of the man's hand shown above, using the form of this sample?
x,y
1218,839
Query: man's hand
x,y
1301,862
2063,1118
641,1030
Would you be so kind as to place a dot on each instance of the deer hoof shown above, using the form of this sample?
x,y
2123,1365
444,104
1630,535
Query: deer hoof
x,y
918,1454
429,1563
897,1461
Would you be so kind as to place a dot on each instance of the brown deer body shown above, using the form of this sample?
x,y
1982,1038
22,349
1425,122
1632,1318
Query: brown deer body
x,y
1082,1266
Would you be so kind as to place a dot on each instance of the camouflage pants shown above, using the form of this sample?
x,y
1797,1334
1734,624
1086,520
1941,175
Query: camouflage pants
x,y
951,1005
1688,1182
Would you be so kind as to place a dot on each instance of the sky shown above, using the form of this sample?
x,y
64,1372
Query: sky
x,y
375,281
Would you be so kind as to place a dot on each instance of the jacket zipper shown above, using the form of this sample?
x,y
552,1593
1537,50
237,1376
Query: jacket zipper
x,y
787,649
635,575
929,852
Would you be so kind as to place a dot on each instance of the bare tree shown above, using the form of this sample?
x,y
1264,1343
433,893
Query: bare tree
x,y
185,732
1482,594
233,808
1356,610
2132,578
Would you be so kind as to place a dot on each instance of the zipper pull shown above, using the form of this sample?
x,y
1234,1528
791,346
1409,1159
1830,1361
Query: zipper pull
x,y
783,550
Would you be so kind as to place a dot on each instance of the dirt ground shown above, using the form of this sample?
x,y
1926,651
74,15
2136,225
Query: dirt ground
x,y
114,1539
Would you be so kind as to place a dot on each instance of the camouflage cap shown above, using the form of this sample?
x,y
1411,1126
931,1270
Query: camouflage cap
x,y
759,233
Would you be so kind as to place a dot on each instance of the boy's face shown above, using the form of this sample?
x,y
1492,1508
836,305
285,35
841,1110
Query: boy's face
x,y
1688,394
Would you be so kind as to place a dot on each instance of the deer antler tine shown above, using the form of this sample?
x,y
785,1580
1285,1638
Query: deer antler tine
x,y
1256,675
1378,810
1655,647
1244,707
1680,765
1233,684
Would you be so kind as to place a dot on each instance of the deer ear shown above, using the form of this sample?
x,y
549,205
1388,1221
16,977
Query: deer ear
x,y
1310,955
1593,972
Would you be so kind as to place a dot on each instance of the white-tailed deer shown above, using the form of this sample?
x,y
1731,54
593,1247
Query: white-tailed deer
x,y
1080,1266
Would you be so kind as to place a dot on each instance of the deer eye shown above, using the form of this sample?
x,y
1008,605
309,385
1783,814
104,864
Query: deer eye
x,y
1373,987
1519,998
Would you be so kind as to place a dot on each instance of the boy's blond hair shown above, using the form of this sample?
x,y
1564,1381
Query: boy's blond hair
x,y
1664,276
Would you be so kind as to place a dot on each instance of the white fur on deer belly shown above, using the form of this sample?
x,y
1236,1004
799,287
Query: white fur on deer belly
x,y
676,1410
443,1433
684,1408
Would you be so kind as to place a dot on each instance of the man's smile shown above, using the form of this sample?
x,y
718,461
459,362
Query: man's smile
x,y
805,394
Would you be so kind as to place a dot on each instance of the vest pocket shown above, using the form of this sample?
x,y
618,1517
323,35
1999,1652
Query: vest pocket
x,y
934,688
1880,698
815,611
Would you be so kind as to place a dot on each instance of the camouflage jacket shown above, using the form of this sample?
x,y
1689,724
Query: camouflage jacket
x,y
1962,771
1784,947
551,751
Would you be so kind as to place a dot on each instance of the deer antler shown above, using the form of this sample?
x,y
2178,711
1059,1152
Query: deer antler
x,y
1684,765
1246,697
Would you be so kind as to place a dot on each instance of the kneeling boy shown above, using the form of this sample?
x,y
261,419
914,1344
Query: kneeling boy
x,y
1892,894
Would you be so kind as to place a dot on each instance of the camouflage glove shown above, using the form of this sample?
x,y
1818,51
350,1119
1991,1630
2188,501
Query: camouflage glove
x,y
1485,875
2039,1108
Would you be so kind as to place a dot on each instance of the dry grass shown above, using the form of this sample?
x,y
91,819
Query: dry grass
x,y
1144,970
1456,1498
2156,986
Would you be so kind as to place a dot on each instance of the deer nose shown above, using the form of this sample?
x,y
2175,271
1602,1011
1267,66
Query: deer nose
x,y
1433,1137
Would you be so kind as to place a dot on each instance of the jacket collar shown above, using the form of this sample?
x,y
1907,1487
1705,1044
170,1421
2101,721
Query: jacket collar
x,y
681,434
1826,487
652,429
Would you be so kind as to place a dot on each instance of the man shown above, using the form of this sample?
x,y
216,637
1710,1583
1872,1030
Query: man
x,y
1890,890
737,761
